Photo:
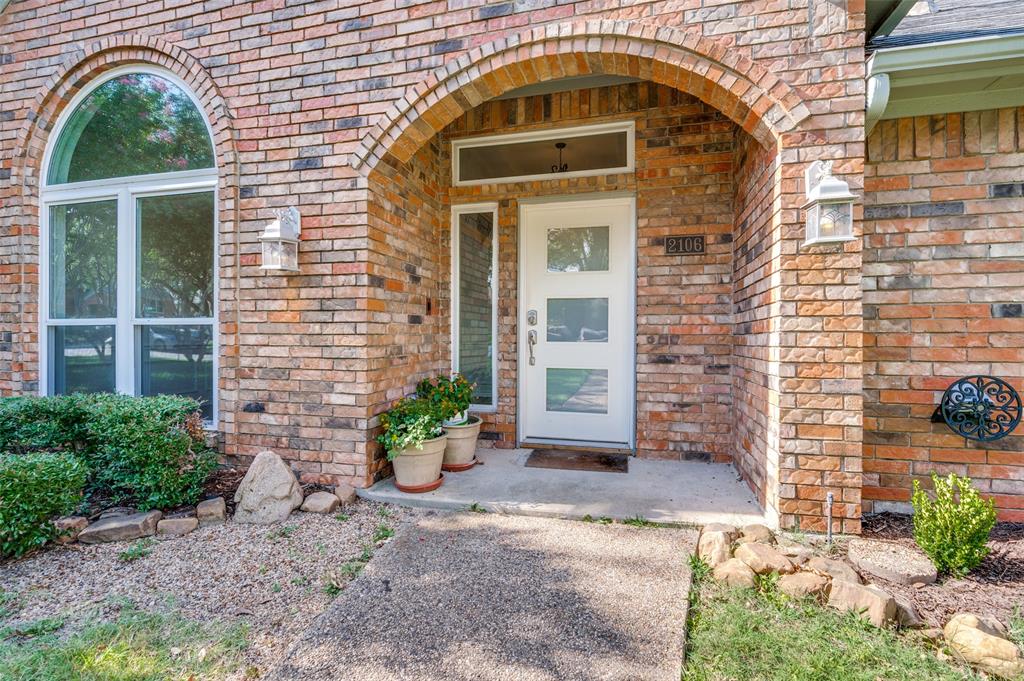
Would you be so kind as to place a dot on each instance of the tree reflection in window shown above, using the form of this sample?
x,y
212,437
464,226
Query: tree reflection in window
x,y
135,124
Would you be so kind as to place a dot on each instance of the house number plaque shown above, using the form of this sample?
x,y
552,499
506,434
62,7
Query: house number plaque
x,y
684,245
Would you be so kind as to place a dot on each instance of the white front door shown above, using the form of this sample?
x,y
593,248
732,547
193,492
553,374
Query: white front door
x,y
576,323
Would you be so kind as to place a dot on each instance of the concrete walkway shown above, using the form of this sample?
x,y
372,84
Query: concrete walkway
x,y
684,492
483,597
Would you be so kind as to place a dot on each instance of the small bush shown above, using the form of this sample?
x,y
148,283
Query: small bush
x,y
29,424
149,452
35,489
954,528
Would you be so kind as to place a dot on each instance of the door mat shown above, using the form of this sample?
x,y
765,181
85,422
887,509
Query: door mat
x,y
578,460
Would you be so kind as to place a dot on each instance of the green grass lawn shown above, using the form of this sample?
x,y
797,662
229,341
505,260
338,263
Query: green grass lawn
x,y
745,635
137,646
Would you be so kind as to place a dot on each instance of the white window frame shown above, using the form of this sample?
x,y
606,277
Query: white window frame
x,y
457,211
126,191
548,134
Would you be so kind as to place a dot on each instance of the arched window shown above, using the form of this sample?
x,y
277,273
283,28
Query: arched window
x,y
128,242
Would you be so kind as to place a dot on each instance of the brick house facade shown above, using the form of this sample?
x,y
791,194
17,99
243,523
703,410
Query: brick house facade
x,y
752,353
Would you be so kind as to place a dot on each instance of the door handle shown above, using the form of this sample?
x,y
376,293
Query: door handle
x,y
531,340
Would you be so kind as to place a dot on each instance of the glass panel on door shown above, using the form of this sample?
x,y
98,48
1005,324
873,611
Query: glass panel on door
x,y
578,249
581,391
577,320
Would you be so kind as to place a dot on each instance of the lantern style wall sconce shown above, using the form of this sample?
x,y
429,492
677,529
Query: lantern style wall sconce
x,y
828,213
280,240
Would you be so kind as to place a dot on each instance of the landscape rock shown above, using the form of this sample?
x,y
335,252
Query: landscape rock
x,y
836,569
346,493
121,528
803,584
797,553
212,511
116,511
870,601
906,614
320,502
176,527
722,527
982,642
69,528
763,559
714,548
268,493
734,572
757,533
891,561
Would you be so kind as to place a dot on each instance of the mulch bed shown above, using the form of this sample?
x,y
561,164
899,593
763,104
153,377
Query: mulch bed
x,y
994,588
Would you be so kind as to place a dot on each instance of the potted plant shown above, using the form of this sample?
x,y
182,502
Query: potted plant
x,y
450,397
415,444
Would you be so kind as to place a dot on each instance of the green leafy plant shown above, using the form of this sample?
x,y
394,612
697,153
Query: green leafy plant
x,y
148,452
953,528
475,507
449,397
409,423
383,532
36,489
639,521
282,532
139,549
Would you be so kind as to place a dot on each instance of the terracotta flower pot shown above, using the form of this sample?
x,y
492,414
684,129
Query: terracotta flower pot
x,y
460,452
419,470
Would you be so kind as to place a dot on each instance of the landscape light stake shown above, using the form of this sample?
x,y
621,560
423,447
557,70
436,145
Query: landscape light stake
x,y
828,505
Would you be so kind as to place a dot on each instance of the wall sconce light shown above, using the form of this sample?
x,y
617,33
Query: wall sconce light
x,y
280,241
828,213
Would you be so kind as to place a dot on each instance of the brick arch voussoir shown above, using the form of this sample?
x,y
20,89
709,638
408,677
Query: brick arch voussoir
x,y
754,98
84,65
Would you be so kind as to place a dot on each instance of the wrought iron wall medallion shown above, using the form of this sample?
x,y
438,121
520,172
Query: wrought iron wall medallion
x,y
982,408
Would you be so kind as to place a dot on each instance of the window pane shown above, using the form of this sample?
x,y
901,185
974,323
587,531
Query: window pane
x,y
83,260
476,293
578,249
175,258
135,124
177,360
575,320
583,391
541,157
82,359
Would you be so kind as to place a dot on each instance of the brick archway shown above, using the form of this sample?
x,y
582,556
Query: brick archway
x,y
746,92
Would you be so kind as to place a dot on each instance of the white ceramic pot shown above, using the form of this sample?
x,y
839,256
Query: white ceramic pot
x,y
461,447
416,467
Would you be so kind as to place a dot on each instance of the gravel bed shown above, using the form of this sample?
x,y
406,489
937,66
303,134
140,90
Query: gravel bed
x,y
271,577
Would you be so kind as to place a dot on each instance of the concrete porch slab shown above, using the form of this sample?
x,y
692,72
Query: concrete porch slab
x,y
682,492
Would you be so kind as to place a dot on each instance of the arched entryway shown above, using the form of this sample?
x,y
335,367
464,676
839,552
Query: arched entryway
x,y
713,372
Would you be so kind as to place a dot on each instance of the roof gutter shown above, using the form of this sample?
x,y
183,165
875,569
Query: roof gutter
x,y
887,67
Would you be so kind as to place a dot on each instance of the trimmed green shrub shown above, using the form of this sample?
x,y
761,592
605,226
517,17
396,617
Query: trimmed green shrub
x,y
953,528
57,423
35,489
149,452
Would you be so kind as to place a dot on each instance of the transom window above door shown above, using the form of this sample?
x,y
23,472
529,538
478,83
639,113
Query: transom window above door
x,y
128,242
545,154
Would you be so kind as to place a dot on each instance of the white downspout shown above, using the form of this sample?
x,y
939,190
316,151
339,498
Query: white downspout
x,y
877,100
